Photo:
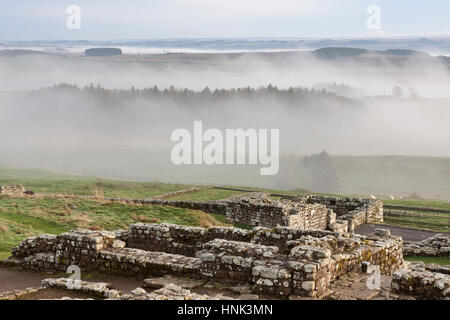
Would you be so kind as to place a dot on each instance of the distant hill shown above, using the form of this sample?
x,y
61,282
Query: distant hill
x,y
331,53
404,52
433,44
102,52
18,52
338,52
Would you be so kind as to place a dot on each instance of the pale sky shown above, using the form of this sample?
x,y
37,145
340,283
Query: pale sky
x,y
150,19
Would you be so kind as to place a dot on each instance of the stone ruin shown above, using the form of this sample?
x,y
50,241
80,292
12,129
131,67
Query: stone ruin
x,y
348,213
257,209
305,213
102,290
278,261
437,245
423,281
12,190
298,247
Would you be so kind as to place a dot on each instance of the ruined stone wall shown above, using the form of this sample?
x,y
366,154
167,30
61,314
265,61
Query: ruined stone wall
x,y
437,245
38,244
310,212
12,190
179,239
280,260
309,217
214,207
353,210
176,193
422,283
258,210
97,251
255,213
306,267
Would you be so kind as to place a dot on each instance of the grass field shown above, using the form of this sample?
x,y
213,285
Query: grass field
x,y
432,204
437,260
52,212
433,221
208,194
24,217
440,224
53,183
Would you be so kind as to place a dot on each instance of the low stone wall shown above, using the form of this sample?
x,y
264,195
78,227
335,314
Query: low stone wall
x,y
102,290
280,260
38,244
214,207
176,193
12,190
422,283
18,294
178,239
97,289
169,292
437,245
95,250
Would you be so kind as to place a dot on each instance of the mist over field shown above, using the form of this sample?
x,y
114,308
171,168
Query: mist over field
x,y
369,104
370,73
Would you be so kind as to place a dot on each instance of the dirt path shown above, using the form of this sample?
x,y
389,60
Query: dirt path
x,y
11,279
19,280
407,234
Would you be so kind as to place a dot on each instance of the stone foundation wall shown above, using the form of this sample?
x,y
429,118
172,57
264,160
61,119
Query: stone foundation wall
x,y
353,210
178,239
278,261
258,210
214,207
305,213
438,245
97,251
12,190
38,244
422,283
176,193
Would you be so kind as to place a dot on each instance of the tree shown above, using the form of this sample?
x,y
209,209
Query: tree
x,y
397,92
320,173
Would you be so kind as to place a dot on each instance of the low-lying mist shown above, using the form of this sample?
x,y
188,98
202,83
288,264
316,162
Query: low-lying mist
x,y
125,133
368,74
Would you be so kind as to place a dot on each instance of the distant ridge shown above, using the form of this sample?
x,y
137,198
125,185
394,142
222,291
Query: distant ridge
x,y
18,52
102,52
345,52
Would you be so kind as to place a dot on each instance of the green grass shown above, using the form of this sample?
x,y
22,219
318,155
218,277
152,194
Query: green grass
x,y
53,183
293,192
437,260
421,220
432,204
208,194
24,217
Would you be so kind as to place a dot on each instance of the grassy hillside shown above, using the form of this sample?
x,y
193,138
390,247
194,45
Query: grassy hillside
x,y
52,183
26,216
57,208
